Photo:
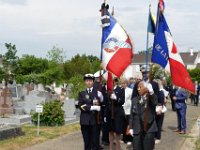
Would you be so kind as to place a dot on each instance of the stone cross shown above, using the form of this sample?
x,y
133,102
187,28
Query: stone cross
x,y
5,95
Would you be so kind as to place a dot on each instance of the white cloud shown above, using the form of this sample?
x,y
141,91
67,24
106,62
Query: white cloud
x,y
36,25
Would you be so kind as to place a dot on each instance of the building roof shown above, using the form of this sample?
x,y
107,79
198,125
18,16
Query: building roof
x,y
187,58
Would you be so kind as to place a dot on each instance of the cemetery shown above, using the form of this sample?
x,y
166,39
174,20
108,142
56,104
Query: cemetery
x,y
18,104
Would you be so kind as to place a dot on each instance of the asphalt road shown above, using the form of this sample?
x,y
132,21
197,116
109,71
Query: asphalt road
x,y
169,141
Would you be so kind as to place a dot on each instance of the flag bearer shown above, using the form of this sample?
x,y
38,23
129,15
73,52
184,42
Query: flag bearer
x,y
88,104
115,116
142,119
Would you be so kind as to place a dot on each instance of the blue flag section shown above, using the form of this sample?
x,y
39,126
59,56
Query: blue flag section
x,y
160,53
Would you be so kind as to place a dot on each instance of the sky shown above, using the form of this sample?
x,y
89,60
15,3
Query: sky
x,y
35,26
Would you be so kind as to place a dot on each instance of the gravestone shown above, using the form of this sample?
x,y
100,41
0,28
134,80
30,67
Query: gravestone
x,y
16,119
5,102
40,87
31,100
14,93
19,91
35,87
69,108
7,132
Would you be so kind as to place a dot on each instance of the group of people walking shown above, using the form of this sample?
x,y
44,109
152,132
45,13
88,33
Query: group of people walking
x,y
133,113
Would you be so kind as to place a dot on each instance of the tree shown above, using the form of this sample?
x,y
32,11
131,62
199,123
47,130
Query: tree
x,y
80,65
195,74
50,76
39,70
78,85
94,63
10,61
56,54
77,65
1,74
10,55
158,73
29,64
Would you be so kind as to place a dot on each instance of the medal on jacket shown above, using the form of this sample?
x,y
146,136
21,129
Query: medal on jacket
x,y
87,96
95,101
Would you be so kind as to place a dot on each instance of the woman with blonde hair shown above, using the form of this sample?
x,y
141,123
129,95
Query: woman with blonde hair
x,y
127,138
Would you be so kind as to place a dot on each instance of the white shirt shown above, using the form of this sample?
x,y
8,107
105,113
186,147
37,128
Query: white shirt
x,y
89,89
127,104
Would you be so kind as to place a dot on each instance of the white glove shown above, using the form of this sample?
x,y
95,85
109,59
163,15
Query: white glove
x,y
104,119
131,132
97,108
113,96
100,96
150,88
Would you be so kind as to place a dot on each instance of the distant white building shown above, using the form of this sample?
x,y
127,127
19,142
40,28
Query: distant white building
x,y
191,60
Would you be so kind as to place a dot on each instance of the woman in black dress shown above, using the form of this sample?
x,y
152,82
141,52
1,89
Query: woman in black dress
x,y
116,114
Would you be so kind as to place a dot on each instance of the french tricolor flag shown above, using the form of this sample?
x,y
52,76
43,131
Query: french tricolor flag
x,y
116,54
166,55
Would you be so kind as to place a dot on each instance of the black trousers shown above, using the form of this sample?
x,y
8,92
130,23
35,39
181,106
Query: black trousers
x,y
98,134
196,100
89,133
192,99
159,122
105,132
144,141
126,138
173,104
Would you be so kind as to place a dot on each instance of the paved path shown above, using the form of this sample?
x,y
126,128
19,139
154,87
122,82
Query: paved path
x,y
170,140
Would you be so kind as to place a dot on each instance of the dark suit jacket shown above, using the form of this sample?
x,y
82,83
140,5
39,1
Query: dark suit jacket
x,y
138,113
118,110
85,102
172,91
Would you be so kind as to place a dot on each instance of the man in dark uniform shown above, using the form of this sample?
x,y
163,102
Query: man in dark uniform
x,y
105,125
88,104
98,85
142,119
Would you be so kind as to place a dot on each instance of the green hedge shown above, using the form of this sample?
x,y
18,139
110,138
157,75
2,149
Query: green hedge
x,y
53,114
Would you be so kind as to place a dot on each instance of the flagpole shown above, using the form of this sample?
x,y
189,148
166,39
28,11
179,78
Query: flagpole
x,y
147,45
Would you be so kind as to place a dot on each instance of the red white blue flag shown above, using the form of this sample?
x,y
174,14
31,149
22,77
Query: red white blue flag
x,y
166,55
116,52
161,5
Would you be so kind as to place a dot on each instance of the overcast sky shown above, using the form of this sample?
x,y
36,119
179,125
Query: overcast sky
x,y
36,25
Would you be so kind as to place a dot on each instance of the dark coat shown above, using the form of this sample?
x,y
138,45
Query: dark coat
x,y
161,98
172,91
85,101
138,114
118,108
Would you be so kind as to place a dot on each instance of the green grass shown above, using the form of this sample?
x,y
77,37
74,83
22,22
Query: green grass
x,y
198,144
186,136
31,138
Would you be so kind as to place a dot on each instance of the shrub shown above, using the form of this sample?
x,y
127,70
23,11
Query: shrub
x,y
52,115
